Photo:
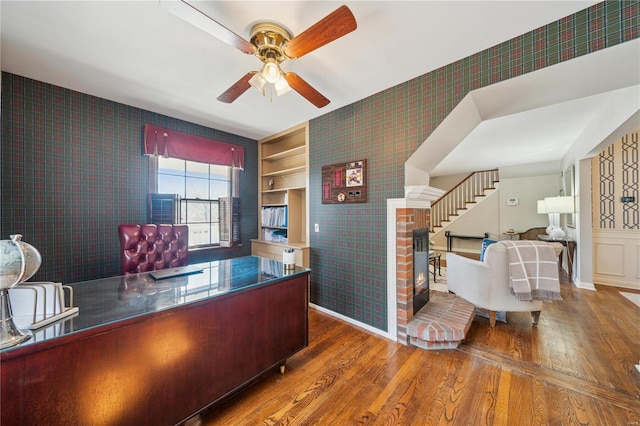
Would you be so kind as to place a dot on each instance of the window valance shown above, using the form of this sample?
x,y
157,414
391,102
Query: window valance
x,y
170,143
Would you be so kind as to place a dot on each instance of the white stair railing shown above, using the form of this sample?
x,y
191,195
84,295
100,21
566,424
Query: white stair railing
x,y
465,192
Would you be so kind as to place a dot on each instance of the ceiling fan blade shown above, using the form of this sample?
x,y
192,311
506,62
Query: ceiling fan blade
x,y
199,19
237,89
333,26
305,89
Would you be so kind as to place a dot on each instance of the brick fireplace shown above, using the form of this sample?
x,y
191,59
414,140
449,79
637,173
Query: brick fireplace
x,y
444,321
407,219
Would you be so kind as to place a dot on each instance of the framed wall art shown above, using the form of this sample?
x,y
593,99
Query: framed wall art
x,y
345,183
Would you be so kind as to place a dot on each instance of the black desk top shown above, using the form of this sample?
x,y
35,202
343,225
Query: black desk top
x,y
111,300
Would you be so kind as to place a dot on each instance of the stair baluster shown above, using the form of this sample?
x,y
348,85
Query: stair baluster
x,y
460,195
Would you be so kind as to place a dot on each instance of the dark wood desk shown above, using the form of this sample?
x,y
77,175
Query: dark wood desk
x,y
571,251
152,352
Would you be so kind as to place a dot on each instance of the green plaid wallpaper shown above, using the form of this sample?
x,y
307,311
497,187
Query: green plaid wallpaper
x,y
348,256
72,170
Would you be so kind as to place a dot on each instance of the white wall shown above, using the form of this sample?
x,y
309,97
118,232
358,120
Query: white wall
x,y
618,116
615,258
483,217
493,216
528,190
447,182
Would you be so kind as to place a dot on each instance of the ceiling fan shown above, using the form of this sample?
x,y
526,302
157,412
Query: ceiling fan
x,y
272,44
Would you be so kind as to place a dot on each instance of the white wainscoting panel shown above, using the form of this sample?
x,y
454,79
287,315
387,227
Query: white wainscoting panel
x,y
609,259
616,258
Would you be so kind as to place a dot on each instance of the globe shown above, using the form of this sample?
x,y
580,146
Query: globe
x,y
19,261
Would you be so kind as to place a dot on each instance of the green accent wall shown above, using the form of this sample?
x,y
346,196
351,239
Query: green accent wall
x,y
348,256
73,170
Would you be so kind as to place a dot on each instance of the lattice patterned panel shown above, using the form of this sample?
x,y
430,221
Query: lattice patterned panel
x,y
607,190
630,215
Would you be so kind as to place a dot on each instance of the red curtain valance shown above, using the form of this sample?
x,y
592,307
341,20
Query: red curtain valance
x,y
170,143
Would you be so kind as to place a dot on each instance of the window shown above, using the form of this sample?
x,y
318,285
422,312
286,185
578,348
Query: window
x,y
199,186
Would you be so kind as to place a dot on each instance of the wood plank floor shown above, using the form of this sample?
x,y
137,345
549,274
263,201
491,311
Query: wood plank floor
x,y
575,368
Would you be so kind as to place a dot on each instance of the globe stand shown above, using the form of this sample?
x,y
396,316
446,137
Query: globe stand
x,y
10,335
19,261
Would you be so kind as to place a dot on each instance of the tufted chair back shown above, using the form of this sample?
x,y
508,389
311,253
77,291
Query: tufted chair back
x,y
150,247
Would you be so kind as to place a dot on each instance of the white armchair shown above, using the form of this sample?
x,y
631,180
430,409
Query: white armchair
x,y
486,283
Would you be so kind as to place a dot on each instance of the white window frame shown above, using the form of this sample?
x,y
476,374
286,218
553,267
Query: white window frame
x,y
214,226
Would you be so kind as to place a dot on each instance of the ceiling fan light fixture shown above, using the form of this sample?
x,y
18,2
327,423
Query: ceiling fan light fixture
x,y
271,72
272,44
281,86
258,82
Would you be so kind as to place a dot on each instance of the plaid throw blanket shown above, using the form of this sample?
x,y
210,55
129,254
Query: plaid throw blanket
x,y
533,270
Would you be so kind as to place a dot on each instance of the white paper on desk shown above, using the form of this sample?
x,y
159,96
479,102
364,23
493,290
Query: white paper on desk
x,y
36,301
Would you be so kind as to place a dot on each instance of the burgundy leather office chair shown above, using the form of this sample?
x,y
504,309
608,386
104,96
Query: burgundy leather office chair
x,y
151,247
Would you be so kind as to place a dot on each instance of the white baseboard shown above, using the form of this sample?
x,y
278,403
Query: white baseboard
x,y
353,322
584,284
601,280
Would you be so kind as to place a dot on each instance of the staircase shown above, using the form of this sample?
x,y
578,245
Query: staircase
x,y
462,198
444,321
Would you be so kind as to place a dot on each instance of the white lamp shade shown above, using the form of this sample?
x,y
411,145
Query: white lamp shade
x,y
559,205
258,82
271,72
542,209
282,86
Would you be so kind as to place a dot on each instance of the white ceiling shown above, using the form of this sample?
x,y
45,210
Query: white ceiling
x,y
137,53
537,117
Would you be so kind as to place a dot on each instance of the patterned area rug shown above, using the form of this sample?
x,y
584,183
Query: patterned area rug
x,y
634,297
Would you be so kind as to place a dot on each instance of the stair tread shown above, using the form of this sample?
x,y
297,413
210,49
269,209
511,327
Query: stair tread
x,y
485,192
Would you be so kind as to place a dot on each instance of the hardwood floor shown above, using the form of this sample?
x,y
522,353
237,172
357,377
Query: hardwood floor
x,y
575,367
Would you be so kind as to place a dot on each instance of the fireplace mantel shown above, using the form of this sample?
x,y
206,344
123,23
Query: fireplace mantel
x,y
401,213
422,193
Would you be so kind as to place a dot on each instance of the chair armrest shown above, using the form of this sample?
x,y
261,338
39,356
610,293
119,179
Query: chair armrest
x,y
484,284
468,278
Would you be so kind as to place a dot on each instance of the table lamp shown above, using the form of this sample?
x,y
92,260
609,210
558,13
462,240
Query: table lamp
x,y
554,207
